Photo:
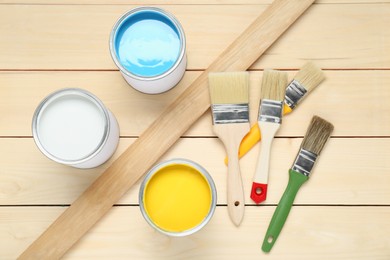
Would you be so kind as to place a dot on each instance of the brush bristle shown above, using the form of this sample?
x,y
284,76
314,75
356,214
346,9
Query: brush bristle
x,y
310,76
229,87
317,134
273,85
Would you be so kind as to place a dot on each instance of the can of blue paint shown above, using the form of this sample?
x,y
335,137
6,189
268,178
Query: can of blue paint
x,y
148,46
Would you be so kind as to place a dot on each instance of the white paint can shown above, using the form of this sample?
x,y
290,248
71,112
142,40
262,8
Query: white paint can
x,y
73,127
148,46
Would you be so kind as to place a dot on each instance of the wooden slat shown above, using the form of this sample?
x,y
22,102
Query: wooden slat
x,y
178,2
342,212
350,171
354,101
341,233
21,92
76,36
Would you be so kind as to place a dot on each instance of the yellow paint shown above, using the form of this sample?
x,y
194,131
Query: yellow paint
x,y
177,198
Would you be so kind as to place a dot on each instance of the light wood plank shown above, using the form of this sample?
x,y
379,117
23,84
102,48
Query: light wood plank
x,y
76,36
350,171
21,92
345,34
354,101
345,233
178,2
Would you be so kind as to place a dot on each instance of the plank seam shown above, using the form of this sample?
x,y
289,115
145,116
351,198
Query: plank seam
x,y
218,205
187,70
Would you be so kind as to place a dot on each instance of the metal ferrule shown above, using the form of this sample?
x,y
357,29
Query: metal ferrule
x,y
271,111
304,162
230,113
294,93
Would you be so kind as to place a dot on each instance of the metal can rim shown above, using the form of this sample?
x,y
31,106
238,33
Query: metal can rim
x,y
85,94
202,171
162,12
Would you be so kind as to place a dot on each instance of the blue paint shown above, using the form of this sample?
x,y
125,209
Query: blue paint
x,y
147,43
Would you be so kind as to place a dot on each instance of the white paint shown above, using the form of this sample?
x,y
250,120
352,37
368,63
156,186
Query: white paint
x,y
108,148
73,127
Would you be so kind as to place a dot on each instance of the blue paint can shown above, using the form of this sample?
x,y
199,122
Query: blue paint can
x,y
148,46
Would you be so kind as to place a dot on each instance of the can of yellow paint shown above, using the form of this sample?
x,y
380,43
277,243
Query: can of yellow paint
x,y
178,197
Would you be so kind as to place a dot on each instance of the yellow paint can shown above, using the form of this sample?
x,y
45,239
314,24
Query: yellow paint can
x,y
177,197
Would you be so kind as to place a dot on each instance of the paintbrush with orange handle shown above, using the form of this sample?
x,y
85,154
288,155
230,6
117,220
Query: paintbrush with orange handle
x,y
304,82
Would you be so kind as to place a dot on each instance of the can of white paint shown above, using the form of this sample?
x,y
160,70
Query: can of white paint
x,y
73,127
148,46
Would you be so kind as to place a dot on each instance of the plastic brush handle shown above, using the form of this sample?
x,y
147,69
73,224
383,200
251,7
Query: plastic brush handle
x,y
250,139
254,136
287,109
259,192
296,180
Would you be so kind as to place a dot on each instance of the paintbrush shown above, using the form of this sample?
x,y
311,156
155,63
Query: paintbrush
x,y
314,141
305,81
173,122
229,93
269,121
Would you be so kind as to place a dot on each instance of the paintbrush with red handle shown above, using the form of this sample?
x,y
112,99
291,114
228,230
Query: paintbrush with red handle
x,y
270,118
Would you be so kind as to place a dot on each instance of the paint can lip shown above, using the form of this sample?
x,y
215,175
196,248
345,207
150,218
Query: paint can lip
x,y
191,164
60,93
159,11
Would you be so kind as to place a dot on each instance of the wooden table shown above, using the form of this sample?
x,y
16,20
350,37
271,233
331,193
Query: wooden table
x,y
343,212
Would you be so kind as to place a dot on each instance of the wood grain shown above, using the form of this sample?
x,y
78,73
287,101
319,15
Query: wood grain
x,y
340,178
341,213
162,134
231,136
354,101
262,170
76,36
343,233
177,2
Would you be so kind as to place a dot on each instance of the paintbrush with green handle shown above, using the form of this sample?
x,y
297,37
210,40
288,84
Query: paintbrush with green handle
x,y
314,141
